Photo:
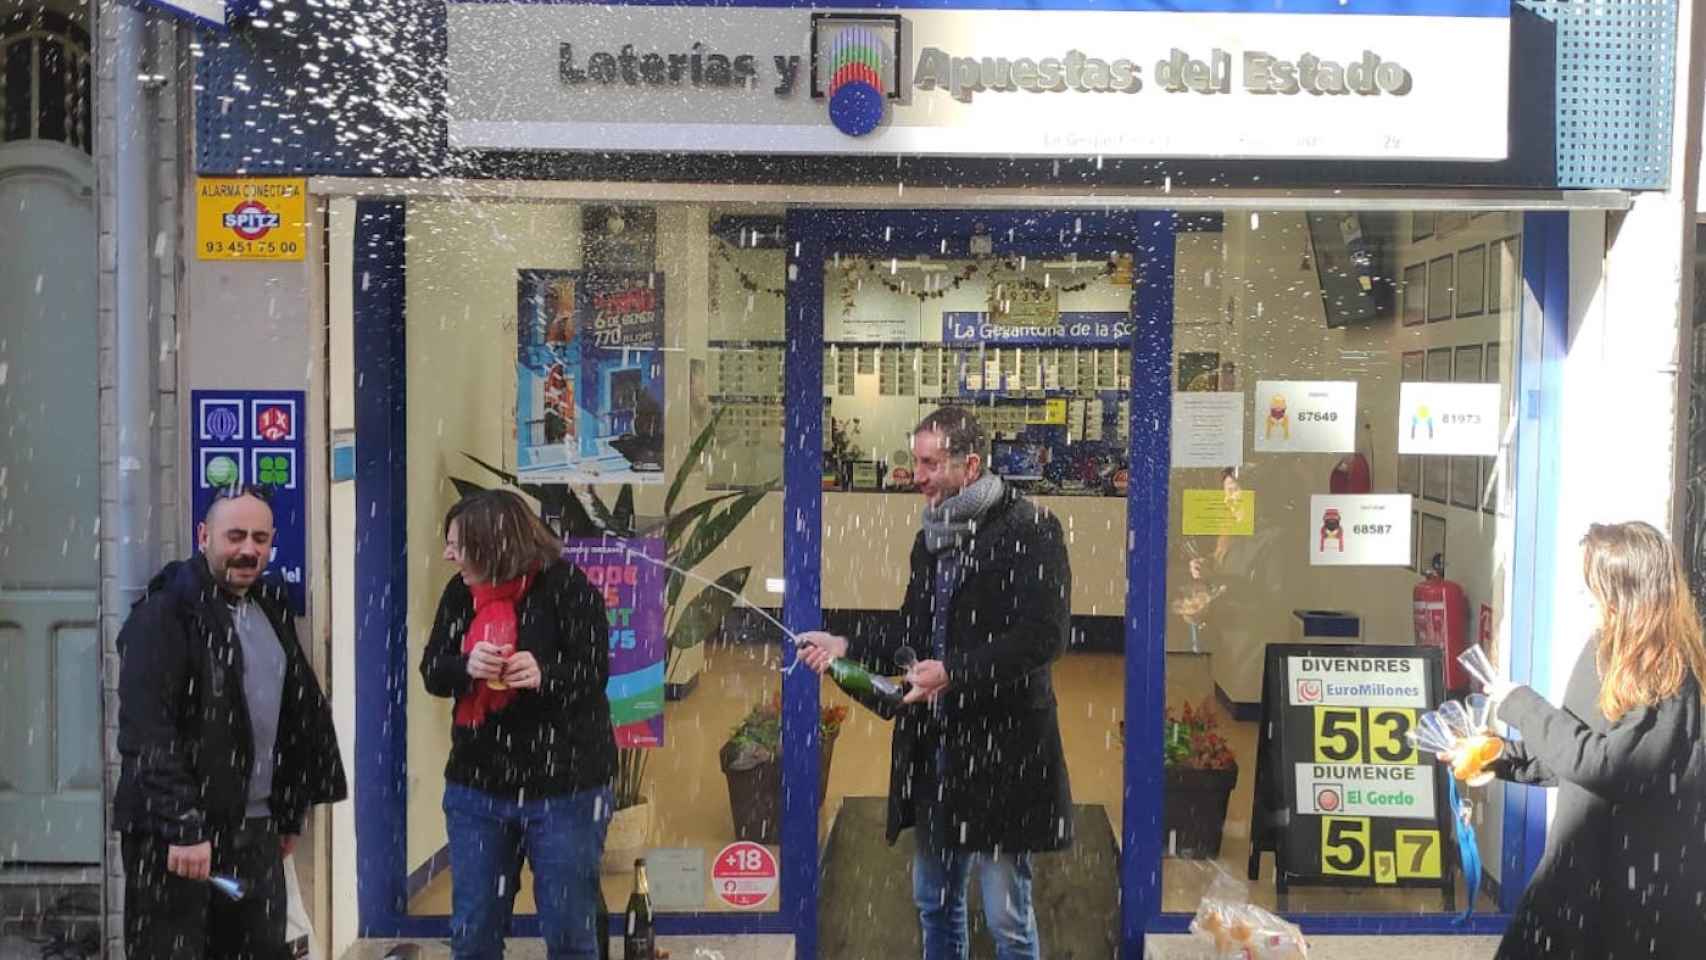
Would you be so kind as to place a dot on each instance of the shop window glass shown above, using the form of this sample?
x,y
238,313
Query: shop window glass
x,y
582,344
1038,349
51,98
1295,335
16,55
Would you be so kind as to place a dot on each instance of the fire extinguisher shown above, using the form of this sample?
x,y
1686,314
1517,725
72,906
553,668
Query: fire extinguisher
x,y
1351,475
1442,620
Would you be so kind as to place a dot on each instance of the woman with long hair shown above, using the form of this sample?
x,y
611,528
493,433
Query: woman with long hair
x,y
521,643
1624,872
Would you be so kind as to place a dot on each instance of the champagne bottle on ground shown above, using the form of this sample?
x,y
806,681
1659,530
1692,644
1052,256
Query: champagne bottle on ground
x,y
638,942
602,919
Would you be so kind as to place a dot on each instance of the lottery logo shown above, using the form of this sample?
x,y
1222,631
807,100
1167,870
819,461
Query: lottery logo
x,y
1328,797
1309,691
222,423
273,423
855,68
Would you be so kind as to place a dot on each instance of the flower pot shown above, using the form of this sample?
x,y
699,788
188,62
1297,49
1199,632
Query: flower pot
x,y
1194,811
626,839
755,795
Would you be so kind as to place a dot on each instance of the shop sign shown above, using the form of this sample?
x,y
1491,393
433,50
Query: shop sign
x,y
745,875
1449,418
256,438
1387,80
1355,804
251,218
1090,328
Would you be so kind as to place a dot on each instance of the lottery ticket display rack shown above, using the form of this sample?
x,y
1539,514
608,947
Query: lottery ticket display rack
x,y
1342,798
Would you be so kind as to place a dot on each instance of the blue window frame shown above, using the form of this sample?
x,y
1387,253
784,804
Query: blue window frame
x,y
381,631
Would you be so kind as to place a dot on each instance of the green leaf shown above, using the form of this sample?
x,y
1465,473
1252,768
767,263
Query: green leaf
x,y
710,534
498,472
605,520
679,523
623,515
465,488
691,461
704,613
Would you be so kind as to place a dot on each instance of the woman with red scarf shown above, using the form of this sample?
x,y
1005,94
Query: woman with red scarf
x,y
521,642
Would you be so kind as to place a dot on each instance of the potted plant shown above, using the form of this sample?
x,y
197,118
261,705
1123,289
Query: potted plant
x,y
691,533
1199,775
752,762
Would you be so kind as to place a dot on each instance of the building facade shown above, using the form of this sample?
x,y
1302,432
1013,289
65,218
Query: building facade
x,y
560,243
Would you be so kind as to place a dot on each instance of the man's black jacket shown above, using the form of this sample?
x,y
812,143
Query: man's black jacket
x,y
1005,786
184,736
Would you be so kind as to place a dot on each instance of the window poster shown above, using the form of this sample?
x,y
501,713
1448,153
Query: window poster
x,y
589,377
629,575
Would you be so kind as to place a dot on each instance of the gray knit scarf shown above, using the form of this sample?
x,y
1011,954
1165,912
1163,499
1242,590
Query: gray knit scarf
x,y
953,520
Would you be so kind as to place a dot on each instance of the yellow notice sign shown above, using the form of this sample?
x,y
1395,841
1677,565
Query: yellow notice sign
x,y
1207,513
241,218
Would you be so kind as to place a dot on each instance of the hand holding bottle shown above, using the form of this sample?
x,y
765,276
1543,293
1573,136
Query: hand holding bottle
x,y
818,649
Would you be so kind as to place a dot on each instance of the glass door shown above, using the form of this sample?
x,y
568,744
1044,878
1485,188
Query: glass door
x,y
1037,334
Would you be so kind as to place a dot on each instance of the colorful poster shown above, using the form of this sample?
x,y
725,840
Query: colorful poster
x,y
1449,418
1360,530
589,377
633,598
249,438
1306,416
1209,513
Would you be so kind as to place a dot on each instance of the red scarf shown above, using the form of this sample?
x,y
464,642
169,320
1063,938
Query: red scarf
x,y
494,623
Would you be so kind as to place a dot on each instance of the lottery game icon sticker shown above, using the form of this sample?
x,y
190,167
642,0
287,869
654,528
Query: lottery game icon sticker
x,y
856,81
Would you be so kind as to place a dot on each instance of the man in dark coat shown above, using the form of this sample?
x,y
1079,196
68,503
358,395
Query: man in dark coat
x,y
977,766
1624,873
225,740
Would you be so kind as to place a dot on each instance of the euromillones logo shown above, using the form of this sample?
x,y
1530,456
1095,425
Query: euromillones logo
x,y
856,68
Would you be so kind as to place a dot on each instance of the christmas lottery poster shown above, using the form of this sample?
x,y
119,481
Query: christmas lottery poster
x,y
589,377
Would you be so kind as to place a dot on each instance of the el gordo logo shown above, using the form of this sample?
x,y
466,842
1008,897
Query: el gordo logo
x,y
251,220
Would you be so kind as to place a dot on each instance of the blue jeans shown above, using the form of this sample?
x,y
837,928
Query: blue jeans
x,y
939,879
562,838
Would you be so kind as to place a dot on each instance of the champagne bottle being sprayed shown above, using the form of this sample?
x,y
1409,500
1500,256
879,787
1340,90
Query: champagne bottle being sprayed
x,y
856,680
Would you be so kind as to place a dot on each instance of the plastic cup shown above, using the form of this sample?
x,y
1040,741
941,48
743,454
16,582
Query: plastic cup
x,y
1429,742
497,683
1479,666
1480,709
1436,731
1456,716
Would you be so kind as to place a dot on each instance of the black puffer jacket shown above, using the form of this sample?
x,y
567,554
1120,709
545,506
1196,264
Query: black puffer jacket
x,y
1006,785
1624,873
557,739
184,738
